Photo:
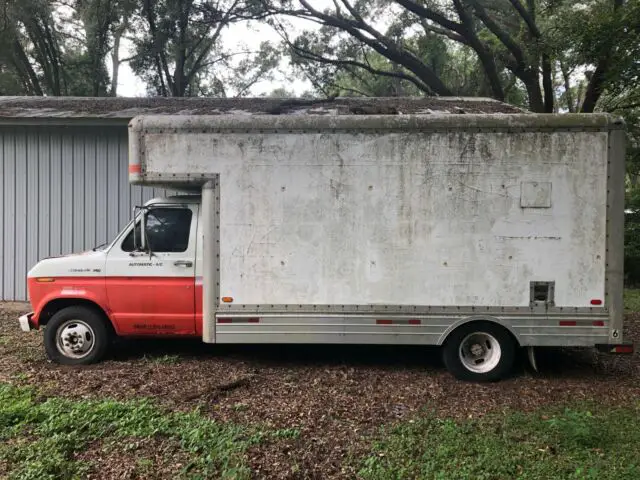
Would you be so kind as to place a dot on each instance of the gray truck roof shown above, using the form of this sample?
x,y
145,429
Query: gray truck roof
x,y
122,109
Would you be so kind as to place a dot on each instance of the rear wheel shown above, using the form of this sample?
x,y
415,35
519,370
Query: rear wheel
x,y
76,336
480,352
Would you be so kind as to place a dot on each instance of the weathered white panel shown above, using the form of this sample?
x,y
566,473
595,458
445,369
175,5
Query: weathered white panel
x,y
535,194
401,218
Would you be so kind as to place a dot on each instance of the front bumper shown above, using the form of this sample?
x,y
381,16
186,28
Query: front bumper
x,y
25,322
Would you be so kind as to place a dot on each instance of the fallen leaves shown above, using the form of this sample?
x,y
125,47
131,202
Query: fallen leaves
x,y
337,398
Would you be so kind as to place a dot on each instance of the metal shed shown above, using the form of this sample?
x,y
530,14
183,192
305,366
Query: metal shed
x,y
63,164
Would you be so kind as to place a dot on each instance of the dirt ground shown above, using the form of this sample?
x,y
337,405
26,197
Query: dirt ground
x,y
336,397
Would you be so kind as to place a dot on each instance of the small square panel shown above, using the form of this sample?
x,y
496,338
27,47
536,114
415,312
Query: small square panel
x,y
535,194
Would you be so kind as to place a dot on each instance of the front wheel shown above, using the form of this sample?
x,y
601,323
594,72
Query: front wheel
x,y
76,336
480,352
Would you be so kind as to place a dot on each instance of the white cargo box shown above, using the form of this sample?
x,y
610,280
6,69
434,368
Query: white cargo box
x,y
397,210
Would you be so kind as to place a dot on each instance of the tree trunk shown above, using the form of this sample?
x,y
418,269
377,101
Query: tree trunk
x,y
595,87
547,84
536,103
568,95
598,80
26,69
115,55
485,57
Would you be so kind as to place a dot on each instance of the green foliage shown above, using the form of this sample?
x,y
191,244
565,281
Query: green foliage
x,y
628,106
456,66
163,359
549,55
50,48
569,443
632,300
286,433
632,241
179,50
38,439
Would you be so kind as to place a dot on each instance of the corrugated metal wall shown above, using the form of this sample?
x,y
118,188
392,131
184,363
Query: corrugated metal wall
x,y
64,189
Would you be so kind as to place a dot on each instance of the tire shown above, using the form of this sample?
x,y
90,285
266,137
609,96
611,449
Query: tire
x,y
479,352
76,336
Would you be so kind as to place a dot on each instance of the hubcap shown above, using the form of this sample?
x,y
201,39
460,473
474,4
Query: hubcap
x,y
75,339
480,352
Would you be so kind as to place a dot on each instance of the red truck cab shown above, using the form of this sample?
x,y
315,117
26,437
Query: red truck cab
x,y
140,284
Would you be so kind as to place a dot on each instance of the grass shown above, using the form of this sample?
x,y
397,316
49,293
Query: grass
x,y
292,433
632,300
163,359
570,443
39,439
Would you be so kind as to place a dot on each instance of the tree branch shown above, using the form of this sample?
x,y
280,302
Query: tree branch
x,y
385,47
308,55
430,14
443,31
547,84
567,87
528,19
598,79
484,55
160,58
502,35
27,68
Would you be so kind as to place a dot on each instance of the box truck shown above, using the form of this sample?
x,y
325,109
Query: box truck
x,y
479,233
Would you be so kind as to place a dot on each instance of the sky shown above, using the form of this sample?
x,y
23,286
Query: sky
x,y
249,34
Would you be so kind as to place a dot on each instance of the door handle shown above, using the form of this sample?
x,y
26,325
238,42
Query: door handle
x,y
183,263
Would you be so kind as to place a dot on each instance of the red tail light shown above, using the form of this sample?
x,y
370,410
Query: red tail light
x,y
568,323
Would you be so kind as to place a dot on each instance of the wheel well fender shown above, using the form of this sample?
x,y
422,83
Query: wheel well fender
x,y
479,319
57,304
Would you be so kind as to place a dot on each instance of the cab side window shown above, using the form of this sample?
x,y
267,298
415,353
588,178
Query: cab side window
x,y
167,230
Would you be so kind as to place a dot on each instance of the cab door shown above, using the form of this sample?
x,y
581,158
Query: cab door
x,y
151,291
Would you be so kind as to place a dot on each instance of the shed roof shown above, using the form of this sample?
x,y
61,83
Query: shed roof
x,y
122,109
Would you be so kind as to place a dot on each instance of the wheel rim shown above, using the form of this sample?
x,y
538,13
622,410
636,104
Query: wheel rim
x,y
75,339
480,352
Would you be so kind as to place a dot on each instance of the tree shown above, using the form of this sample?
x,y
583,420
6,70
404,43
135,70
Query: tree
x,y
456,65
514,41
180,47
57,47
30,37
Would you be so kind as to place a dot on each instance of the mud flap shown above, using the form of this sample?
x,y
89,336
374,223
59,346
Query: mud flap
x,y
531,355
